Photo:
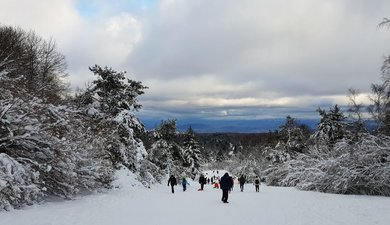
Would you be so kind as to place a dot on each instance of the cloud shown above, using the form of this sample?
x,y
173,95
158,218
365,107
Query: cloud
x,y
106,39
222,57
265,53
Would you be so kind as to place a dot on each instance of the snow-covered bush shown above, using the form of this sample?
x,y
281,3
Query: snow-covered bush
x,y
249,168
18,185
149,173
56,142
278,154
360,168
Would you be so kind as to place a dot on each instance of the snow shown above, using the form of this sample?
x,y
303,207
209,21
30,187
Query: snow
x,y
130,203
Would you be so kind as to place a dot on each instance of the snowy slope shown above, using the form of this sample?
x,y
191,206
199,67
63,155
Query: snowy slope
x,y
133,205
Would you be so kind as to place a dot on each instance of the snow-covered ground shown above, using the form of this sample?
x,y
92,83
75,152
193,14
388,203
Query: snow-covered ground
x,y
134,205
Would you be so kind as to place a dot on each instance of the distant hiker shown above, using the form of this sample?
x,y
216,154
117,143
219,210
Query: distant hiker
x,y
257,183
208,180
212,180
184,182
242,182
202,181
216,185
226,185
172,182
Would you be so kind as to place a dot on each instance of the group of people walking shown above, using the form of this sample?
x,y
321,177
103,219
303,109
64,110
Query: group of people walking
x,y
172,182
256,182
226,184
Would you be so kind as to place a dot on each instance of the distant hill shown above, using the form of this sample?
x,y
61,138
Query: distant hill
x,y
229,126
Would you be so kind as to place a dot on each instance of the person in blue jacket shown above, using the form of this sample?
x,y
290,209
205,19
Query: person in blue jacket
x,y
226,184
184,182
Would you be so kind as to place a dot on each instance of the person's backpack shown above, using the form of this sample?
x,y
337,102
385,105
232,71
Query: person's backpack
x,y
257,181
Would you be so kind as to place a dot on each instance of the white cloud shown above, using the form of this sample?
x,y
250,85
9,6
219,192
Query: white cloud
x,y
85,41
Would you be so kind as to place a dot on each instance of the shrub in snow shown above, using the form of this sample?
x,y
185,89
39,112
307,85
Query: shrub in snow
x,y
18,184
249,168
55,141
279,154
360,168
150,173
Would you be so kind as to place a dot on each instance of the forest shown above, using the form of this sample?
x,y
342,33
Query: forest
x,y
55,142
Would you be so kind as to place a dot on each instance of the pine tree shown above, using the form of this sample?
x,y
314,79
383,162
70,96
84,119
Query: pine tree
x,y
114,94
191,154
331,127
113,100
165,152
292,135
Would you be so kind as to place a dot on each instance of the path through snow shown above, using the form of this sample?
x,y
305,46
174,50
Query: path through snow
x,y
157,206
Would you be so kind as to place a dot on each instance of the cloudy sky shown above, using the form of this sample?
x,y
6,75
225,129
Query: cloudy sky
x,y
218,59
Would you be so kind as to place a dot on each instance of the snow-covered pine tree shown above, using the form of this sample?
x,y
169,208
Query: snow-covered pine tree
x,y
191,154
331,127
112,99
292,135
165,152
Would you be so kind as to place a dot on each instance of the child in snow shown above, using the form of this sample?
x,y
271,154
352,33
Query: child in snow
x,y
184,182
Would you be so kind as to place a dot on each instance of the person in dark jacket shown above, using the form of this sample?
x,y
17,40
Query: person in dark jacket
x,y
202,181
242,182
256,182
232,184
172,182
226,184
